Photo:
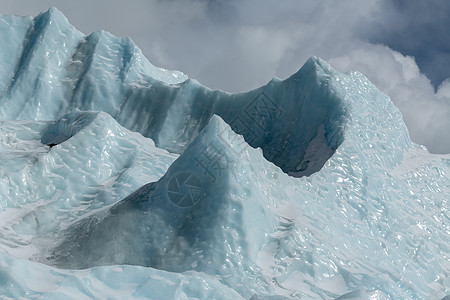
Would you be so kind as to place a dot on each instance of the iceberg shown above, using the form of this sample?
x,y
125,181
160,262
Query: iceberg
x,y
122,180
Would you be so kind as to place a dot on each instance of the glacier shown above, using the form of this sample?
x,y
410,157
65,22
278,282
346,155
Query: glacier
x,y
122,180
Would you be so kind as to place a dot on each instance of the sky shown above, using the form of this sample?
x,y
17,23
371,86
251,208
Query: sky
x,y
402,46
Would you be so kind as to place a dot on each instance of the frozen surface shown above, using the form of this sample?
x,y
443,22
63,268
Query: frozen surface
x,y
121,180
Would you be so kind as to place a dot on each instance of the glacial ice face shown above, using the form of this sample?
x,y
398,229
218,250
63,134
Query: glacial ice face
x,y
101,72
304,188
44,188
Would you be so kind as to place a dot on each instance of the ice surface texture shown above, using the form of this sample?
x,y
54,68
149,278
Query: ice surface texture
x,y
122,180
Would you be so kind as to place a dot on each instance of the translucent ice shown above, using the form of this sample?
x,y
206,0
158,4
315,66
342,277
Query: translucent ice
x,y
122,180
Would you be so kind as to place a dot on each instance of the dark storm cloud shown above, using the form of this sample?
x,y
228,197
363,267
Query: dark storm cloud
x,y
419,28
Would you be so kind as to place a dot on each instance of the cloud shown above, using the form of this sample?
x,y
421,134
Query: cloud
x,y
240,45
416,28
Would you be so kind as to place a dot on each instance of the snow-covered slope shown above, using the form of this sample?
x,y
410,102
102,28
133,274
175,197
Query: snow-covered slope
x,y
307,188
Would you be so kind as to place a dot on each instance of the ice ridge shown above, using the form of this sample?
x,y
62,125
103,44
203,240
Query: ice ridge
x,y
121,180
60,70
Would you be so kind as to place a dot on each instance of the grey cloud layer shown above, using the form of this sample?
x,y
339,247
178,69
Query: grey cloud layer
x,y
239,45
417,28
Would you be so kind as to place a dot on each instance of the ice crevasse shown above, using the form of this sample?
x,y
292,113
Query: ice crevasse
x,y
121,180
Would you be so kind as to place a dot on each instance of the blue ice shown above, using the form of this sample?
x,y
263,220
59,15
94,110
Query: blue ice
x,y
122,180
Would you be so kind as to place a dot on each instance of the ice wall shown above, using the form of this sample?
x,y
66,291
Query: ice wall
x,y
57,70
119,179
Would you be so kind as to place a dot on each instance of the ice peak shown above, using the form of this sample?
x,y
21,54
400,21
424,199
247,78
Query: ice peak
x,y
54,17
315,66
